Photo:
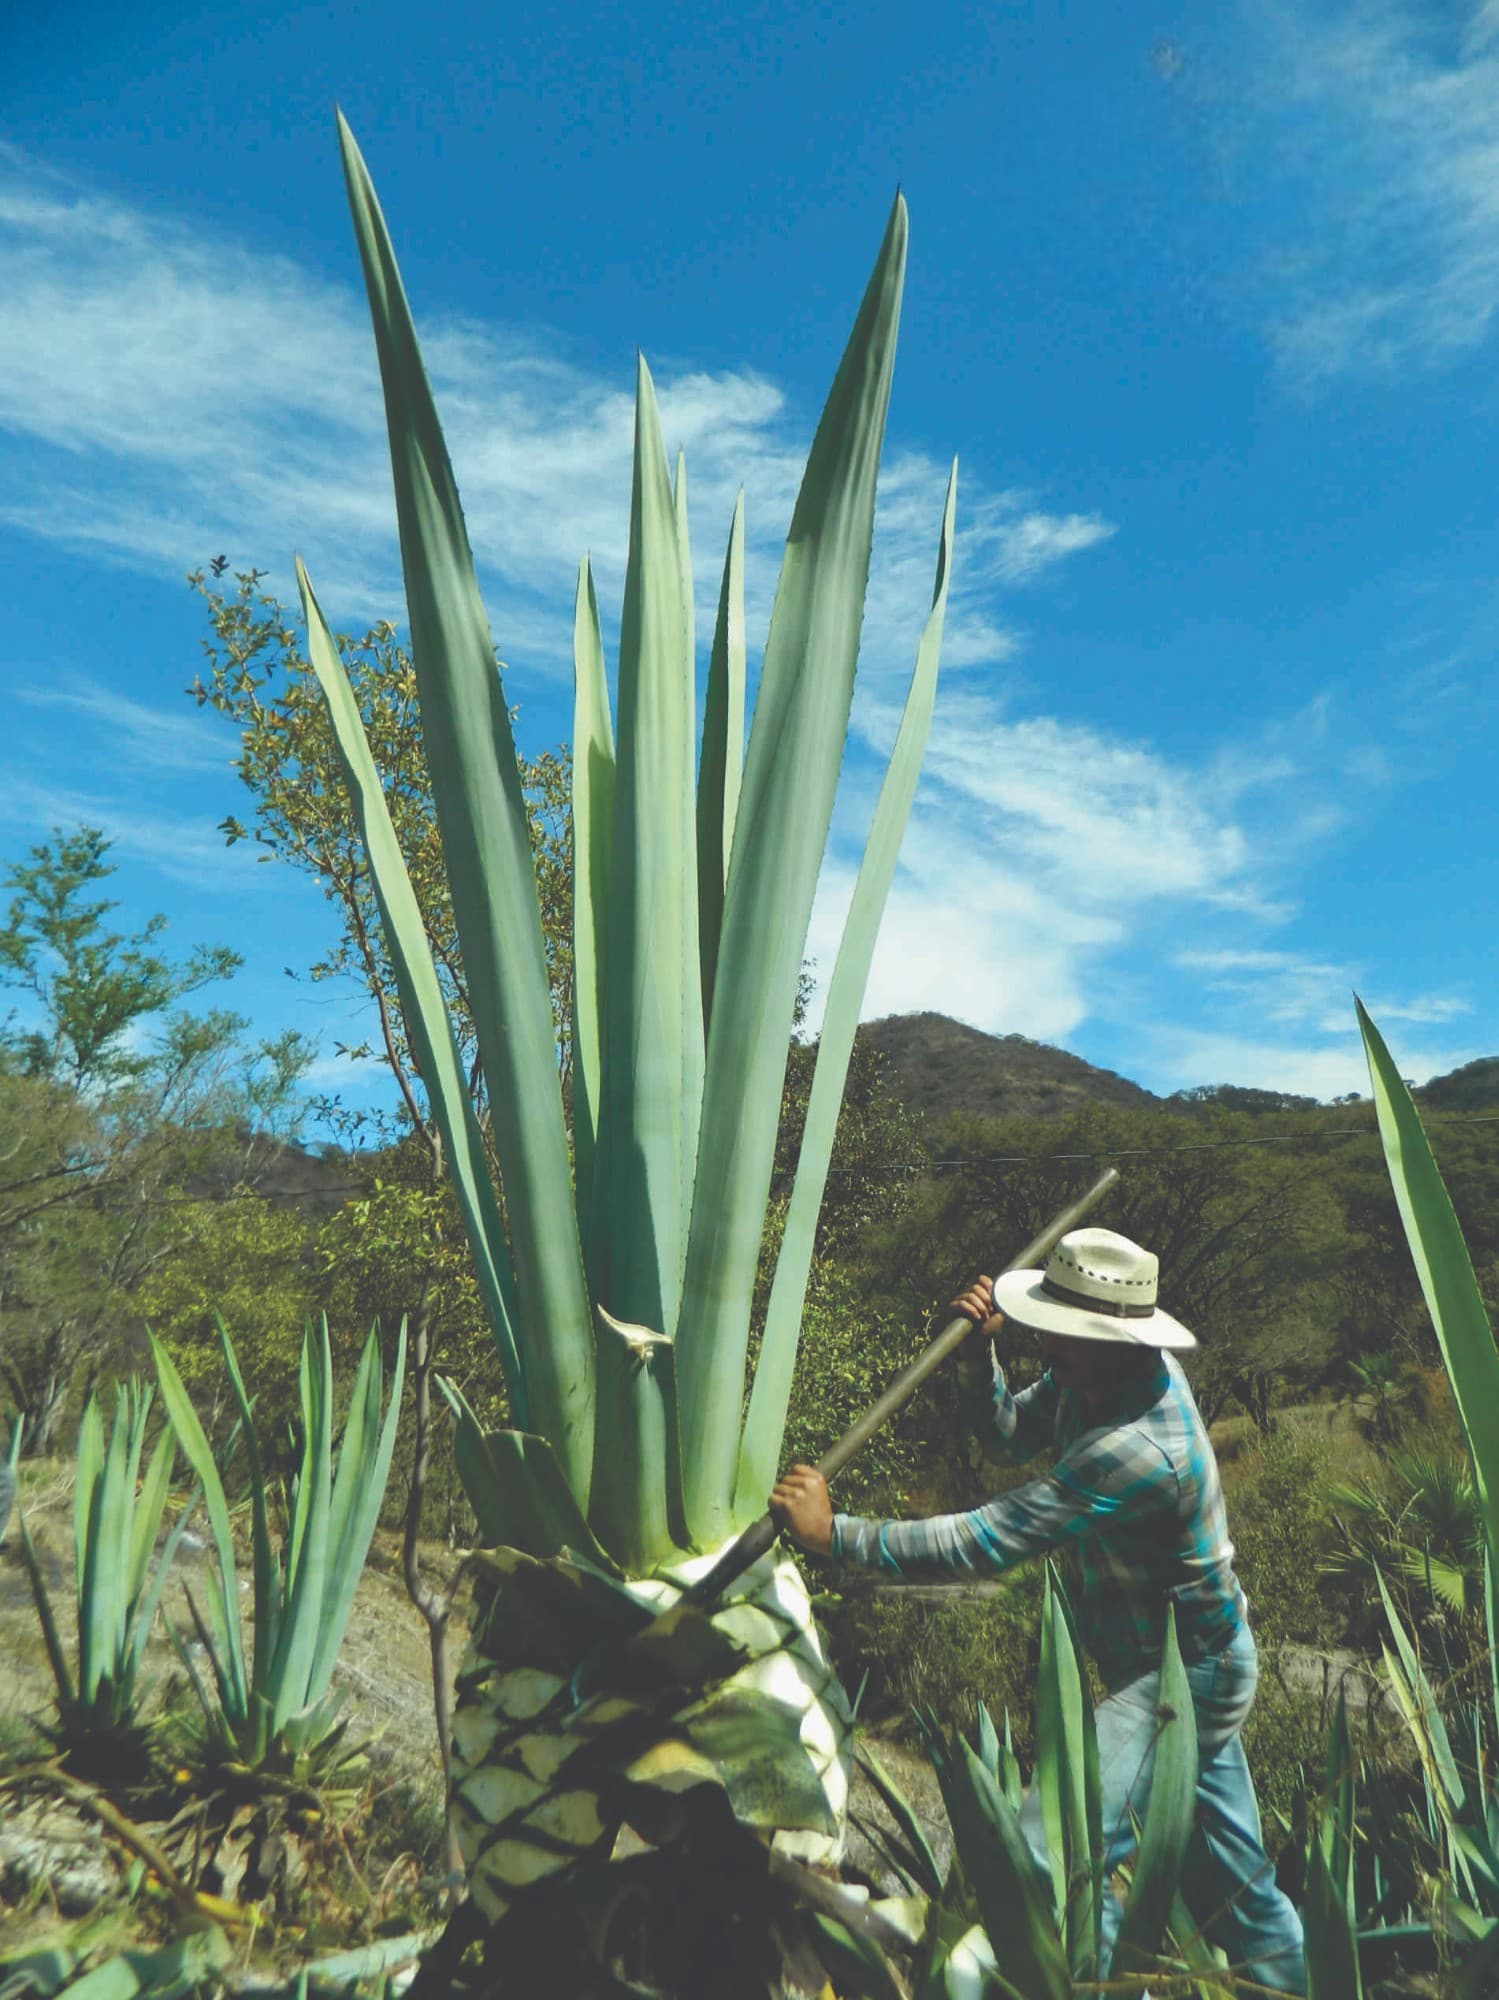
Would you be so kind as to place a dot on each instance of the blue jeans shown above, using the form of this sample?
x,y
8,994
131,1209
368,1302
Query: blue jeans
x,y
1228,1882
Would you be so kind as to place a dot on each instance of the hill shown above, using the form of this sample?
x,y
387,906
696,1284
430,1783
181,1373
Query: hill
x,y
1474,1087
936,1066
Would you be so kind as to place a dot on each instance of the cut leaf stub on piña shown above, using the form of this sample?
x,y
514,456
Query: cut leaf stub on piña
x,y
738,1706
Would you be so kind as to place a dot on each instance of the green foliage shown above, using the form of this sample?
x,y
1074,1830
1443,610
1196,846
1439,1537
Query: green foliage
x,y
1242,1234
113,1095
1419,1525
944,1658
241,1259
256,673
1280,1513
88,987
1043,1936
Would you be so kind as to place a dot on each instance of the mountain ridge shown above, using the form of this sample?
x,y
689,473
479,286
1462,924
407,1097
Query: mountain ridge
x,y
937,1066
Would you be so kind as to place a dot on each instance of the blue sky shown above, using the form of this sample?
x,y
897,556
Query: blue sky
x,y
1203,300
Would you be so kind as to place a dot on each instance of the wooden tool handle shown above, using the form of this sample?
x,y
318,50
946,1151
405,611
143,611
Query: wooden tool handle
x,y
761,1534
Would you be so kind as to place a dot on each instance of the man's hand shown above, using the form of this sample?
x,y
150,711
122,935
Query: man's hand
x,y
801,1506
977,1304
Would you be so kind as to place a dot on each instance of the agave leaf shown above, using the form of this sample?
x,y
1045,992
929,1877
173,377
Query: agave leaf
x,y
1338,1805
785,807
1419,1706
1001,1872
516,1488
363,1471
67,1693
88,1476
929,1876
862,1970
151,1602
1168,1825
160,1972
1008,1771
1332,1967
229,1665
286,1685
1444,1267
1071,1808
1194,1951
636,1501
653,1035
422,1006
481,814
722,755
592,818
754,1743
146,1516
1054,1767
265,1569
684,563
765,1423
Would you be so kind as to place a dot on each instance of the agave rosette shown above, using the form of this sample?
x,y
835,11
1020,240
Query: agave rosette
x,y
620,1284
118,1578
272,1705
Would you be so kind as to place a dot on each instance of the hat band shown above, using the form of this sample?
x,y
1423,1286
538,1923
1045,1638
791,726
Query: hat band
x,y
1114,1308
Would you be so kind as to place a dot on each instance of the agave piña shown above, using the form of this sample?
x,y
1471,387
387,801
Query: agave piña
x,y
620,1285
272,1706
116,1518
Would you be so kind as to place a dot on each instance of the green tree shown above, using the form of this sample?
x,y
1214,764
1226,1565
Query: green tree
x,y
89,988
114,1098
252,1263
1246,1232
256,675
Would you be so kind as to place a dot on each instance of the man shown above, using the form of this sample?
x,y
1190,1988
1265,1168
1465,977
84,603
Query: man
x,y
1134,1488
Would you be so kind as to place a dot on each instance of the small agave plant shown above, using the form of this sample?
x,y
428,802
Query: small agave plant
x,y
619,1283
119,1576
273,1710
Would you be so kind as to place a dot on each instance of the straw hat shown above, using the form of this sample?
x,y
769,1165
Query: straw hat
x,y
1096,1286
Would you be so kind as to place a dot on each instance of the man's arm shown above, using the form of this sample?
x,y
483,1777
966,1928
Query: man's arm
x,y
1010,1428
1105,1479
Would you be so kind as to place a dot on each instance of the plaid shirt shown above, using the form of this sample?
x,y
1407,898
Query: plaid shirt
x,y
1138,1495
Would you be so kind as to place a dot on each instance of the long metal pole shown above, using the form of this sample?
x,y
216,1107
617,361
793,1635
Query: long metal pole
x,y
759,1536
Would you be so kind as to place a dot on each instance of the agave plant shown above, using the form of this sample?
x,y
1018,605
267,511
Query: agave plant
x,y
1463,1801
619,1284
116,1520
997,1926
272,1708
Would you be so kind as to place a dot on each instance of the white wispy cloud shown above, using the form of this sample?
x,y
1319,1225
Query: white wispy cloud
x,y
1302,991
167,397
1324,1069
181,846
1370,130
140,732
1039,853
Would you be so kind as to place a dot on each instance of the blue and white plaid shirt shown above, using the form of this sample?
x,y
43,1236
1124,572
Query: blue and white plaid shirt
x,y
1138,1495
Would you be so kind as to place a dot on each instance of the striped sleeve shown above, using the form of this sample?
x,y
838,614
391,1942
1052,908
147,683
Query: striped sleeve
x,y
1106,1478
1010,1428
